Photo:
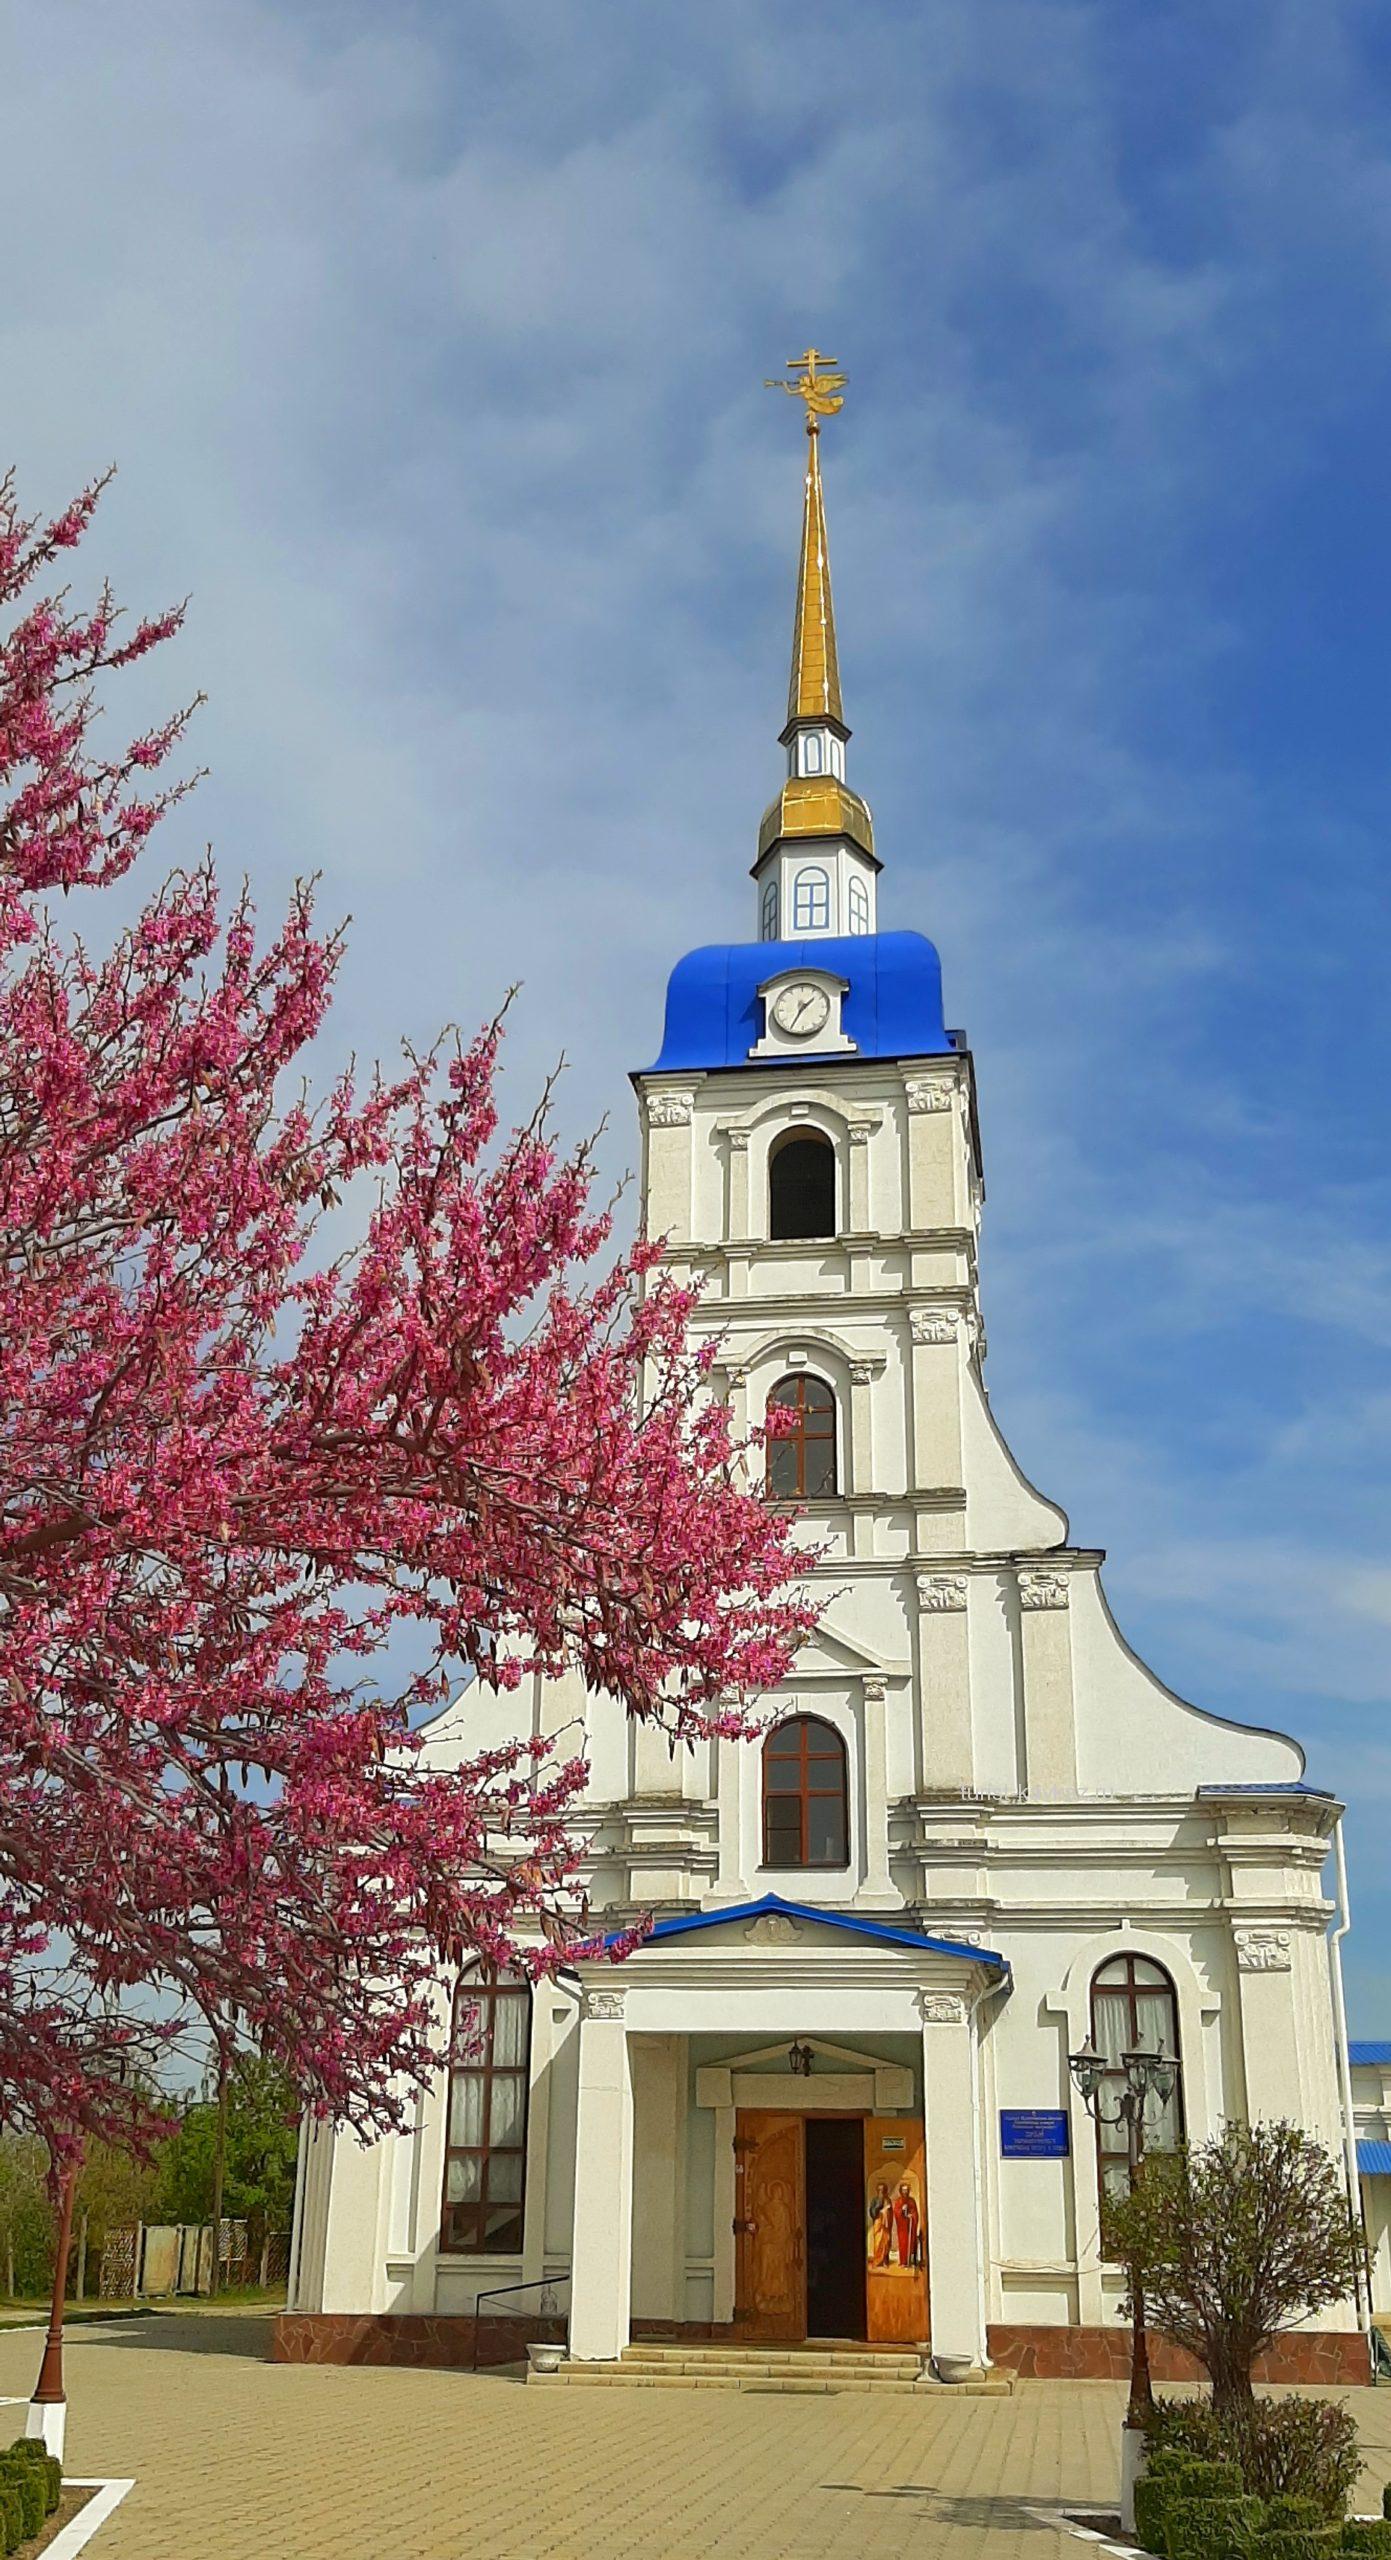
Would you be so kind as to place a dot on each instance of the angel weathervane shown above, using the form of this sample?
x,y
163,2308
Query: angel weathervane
x,y
816,381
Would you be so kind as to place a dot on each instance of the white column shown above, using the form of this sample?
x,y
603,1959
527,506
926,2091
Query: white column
x,y
859,1453
726,2206
935,1456
1050,1718
737,1195
730,1884
955,2241
601,2267
945,1754
861,1131
877,1886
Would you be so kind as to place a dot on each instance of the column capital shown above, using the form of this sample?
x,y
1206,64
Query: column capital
x,y
934,1324
1262,1950
931,1093
941,2008
938,1591
1040,1590
669,1110
606,2004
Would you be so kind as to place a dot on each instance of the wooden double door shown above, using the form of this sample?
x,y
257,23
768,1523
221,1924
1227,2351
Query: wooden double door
x,y
830,2227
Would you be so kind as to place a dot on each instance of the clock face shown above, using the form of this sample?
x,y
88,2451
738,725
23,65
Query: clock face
x,y
801,1009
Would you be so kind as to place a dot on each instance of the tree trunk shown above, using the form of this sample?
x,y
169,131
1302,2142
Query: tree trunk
x,y
82,2259
219,2174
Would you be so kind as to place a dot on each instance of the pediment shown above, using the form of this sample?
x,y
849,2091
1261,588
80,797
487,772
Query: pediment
x,y
831,1649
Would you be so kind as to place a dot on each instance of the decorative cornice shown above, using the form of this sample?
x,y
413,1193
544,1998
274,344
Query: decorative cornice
x,y
937,1591
1262,1950
1043,1591
669,1110
873,1691
738,1141
930,1093
860,1132
941,2008
608,2005
864,1372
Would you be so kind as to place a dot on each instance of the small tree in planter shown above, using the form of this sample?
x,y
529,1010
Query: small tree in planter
x,y
1236,2241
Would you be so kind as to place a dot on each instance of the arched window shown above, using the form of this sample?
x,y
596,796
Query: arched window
x,y
859,907
485,2142
806,1817
769,918
801,1187
802,1458
1133,2003
811,899
811,752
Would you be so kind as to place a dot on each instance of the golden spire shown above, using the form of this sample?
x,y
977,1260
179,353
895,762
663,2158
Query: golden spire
x,y
814,690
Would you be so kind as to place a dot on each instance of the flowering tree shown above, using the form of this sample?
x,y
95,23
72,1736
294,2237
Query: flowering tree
x,y
234,1468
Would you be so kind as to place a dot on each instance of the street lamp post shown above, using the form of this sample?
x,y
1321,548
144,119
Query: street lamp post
x,y
1150,2074
48,2410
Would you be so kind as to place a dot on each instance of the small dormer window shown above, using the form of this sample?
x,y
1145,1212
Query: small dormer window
x,y
768,914
811,900
859,907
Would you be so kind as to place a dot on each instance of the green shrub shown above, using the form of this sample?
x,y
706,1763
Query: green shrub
x,y
1211,2528
29,2480
1153,2492
1368,2536
1321,2544
1304,2449
1386,2499
11,2517
32,2449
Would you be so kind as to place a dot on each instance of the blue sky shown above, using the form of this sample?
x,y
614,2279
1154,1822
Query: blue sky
x,y
429,342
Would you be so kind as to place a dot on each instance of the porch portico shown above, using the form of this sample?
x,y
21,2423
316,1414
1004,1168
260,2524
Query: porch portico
x,y
770,1976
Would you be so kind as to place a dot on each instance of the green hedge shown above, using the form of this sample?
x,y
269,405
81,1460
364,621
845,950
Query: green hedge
x,y
31,2484
1187,2509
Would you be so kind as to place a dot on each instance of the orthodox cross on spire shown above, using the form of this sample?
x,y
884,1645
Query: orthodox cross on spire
x,y
814,690
816,381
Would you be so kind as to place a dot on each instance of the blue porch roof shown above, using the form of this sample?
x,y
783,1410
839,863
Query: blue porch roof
x,y
1377,2052
852,1922
1374,2159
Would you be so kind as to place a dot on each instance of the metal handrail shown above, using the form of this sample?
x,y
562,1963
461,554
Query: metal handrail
x,y
547,2308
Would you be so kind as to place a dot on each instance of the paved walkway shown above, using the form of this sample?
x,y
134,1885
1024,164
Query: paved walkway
x,y
236,2459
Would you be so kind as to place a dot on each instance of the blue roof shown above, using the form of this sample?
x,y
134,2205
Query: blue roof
x,y
1374,2159
1269,1787
1378,2051
893,1007
850,1921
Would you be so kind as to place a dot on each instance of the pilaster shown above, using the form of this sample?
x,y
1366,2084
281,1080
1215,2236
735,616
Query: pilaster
x,y
937,1338
955,2241
1050,1726
946,1756
877,1884
602,2258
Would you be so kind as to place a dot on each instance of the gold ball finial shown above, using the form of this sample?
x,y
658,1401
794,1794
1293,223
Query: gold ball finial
x,y
817,382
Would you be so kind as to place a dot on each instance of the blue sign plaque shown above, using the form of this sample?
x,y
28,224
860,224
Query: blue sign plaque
x,y
1033,2133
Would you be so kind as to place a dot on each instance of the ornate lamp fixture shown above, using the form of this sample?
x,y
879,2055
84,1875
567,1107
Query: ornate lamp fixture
x,y
799,2059
1151,2074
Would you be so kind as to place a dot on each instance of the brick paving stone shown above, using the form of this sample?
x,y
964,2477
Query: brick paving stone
x,y
237,2459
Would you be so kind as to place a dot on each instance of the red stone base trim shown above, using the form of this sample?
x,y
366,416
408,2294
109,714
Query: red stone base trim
x,y
365,2337
1332,2358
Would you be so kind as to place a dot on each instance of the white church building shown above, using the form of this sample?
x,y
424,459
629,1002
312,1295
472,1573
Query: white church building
x,y
828,2098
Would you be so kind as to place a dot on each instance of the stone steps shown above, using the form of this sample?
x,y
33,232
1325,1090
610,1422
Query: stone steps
x,y
816,2370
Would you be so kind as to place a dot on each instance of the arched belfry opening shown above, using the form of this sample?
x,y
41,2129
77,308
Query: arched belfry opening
x,y
801,1186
